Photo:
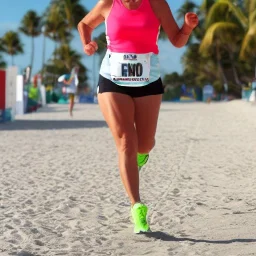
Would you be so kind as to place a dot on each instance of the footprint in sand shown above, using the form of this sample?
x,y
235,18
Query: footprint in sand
x,y
176,191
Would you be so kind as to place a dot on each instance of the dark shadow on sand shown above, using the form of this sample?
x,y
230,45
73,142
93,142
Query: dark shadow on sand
x,y
168,238
57,110
51,124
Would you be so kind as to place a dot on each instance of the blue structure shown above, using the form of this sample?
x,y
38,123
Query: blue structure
x,y
208,92
86,99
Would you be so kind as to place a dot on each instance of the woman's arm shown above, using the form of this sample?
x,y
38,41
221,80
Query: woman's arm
x,y
93,19
178,37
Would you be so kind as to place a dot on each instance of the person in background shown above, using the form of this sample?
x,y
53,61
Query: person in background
x,y
71,81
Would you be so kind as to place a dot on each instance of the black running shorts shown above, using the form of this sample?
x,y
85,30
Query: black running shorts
x,y
154,88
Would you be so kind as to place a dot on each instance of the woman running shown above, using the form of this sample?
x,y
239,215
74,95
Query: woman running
x,y
71,82
130,88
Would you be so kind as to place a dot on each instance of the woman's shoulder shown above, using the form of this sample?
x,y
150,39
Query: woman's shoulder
x,y
158,4
105,3
104,6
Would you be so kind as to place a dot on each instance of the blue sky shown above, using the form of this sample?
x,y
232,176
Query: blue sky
x,y
12,14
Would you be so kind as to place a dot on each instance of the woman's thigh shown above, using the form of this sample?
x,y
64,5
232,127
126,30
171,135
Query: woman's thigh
x,y
146,117
118,111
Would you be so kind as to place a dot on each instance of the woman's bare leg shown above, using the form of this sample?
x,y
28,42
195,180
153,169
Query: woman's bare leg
x,y
71,104
146,117
118,111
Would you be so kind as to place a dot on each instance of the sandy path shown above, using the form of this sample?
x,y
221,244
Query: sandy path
x,y
60,191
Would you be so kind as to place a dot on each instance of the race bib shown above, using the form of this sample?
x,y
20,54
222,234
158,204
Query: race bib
x,y
130,69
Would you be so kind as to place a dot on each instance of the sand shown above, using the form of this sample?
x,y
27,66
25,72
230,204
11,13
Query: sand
x,y
61,194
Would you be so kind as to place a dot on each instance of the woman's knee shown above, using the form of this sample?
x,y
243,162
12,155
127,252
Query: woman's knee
x,y
146,146
127,143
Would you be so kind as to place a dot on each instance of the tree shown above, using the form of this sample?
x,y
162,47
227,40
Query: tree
x,y
206,6
59,20
71,10
65,59
228,24
56,25
102,44
2,62
30,26
248,48
11,44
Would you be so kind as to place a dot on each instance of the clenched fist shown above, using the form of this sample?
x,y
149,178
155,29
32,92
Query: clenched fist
x,y
91,48
191,20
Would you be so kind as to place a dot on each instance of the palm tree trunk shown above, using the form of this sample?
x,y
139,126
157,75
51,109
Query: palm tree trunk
x,y
225,80
55,49
55,57
43,58
32,54
234,70
12,59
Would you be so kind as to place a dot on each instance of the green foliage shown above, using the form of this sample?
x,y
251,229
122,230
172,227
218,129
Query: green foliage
x,y
71,10
2,62
58,23
59,20
225,46
11,44
65,59
30,24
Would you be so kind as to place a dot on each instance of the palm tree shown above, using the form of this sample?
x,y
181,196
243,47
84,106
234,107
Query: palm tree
x,y
248,48
227,23
222,35
215,44
67,57
56,26
72,11
102,43
11,44
30,26
60,18
206,6
199,69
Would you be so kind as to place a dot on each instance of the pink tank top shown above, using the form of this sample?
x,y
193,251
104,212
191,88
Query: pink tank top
x,y
132,31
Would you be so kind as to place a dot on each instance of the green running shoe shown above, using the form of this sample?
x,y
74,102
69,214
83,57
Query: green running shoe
x,y
139,216
142,160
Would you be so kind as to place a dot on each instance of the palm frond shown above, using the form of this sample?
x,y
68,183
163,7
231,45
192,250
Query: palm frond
x,y
216,30
219,10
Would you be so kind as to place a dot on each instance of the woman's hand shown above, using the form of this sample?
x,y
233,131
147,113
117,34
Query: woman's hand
x,y
90,48
191,20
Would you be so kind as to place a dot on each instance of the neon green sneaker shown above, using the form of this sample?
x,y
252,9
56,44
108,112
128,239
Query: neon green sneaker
x,y
139,216
142,160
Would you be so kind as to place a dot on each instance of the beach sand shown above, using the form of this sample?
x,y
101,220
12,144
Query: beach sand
x,y
61,193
